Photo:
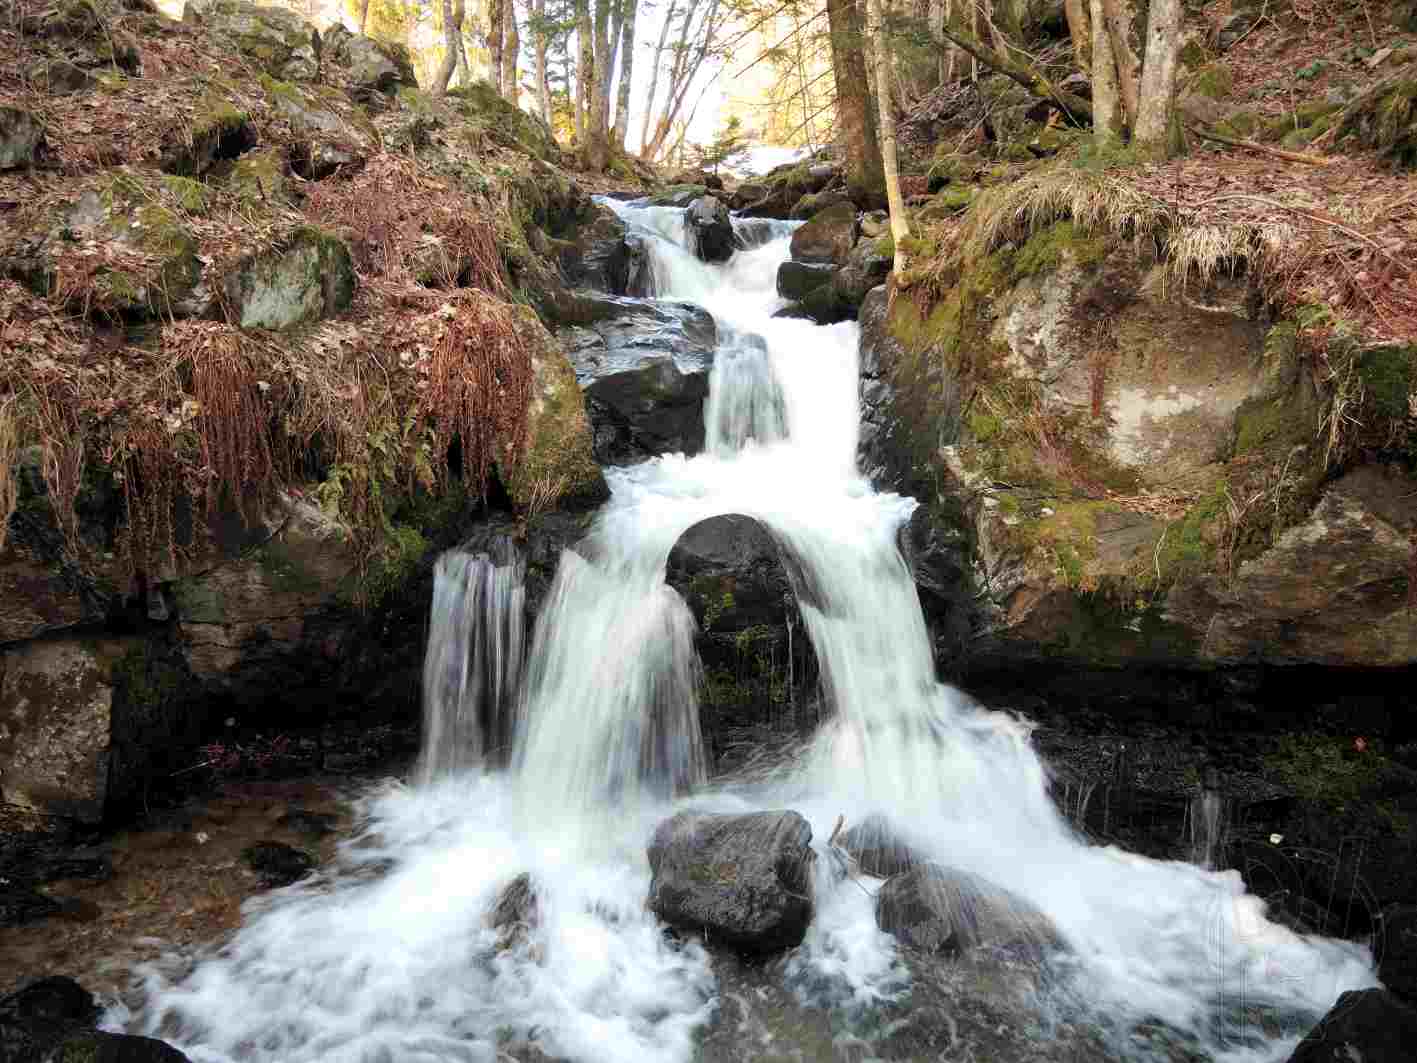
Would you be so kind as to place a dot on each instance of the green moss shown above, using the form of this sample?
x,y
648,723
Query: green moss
x,y
1213,81
258,178
1048,248
1194,55
144,682
1388,378
190,195
714,596
1187,547
984,426
1330,771
403,550
197,602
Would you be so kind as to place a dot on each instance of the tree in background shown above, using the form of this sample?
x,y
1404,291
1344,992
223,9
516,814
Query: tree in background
x,y
724,146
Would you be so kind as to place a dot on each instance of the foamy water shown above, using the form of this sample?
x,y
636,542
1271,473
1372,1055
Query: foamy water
x,y
388,955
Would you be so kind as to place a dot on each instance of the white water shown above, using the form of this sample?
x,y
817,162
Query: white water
x,y
388,957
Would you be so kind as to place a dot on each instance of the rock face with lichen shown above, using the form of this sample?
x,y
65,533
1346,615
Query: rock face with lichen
x,y
1141,468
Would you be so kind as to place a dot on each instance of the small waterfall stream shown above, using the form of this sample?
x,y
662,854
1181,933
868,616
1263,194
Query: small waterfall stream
x,y
388,956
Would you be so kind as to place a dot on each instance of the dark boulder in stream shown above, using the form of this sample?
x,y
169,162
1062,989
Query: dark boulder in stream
x,y
712,229
1371,1026
743,881
644,368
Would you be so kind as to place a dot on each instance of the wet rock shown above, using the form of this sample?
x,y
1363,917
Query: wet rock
x,y
838,298
40,1014
20,138
314,824
941,909
20,905
1371,1025
516,912
644,369
809,206
372,66
743,881
278,864
796,279
755,232
307,277
733,573
708,180
80,720
676,196
828,237
1397,951
712,229
877,849
938,553
597,256
98,1047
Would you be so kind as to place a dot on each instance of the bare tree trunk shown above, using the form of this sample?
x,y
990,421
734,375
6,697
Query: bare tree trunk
x,y
597,146
452,42
654,77
543,85
1126,50
363,16
627,65
495,31
688,58
1158,81
1106,112
511,50
607,88
585,75
900,225
865,178
1079,18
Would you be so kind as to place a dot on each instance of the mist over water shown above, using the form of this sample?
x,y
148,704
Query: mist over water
x,y
389,955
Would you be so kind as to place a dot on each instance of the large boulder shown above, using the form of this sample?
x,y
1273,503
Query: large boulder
x,y
21,136
939,909
795,280
305,277
371,66
742,584
596,254
1370,1025
278,41
711,229
742,881
487,113
878,848
828,237
644,367
83,720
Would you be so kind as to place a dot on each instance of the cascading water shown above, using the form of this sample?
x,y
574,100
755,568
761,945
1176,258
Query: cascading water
x,y
389,955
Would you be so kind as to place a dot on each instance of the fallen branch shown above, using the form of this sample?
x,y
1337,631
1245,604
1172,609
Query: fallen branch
x,y
1264,149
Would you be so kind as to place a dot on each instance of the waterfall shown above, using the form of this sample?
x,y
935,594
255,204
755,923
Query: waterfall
x,y
390,956
473,666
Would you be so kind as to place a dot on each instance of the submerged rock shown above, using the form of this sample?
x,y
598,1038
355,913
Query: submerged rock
x,y
743,881
941,909
99,1047
1369,1025
278,864
644,368
711,228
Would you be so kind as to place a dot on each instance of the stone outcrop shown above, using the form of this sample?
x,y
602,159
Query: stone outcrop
x,y
306,277
643,366
742,881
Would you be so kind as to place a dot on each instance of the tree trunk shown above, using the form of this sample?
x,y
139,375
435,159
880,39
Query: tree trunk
x,y
1123,32
585,75
1079,16
627,65
452,41
654,77
688,58
1151,134
543,84
900,226
1106,115
865,178
363,16
617,26
494,44
597,146
511,50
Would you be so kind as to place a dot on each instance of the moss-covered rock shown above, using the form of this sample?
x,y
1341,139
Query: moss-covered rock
x,y
279,41
259,179
557,467
21,136
491,116
1385,118
307,276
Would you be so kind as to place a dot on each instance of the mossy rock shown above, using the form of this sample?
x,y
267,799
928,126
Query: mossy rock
x,y
305,277
259,179
1060,242
504,122
1387,121
557,466
1213,81
1389,377
278,41
678,195
21,137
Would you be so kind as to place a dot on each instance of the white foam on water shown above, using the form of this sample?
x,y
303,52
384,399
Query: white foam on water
x,y
389,955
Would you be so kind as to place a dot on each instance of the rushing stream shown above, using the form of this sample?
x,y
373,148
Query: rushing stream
x,y
389,956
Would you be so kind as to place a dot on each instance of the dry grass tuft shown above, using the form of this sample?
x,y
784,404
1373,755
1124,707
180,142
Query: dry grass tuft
x,y
9,447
